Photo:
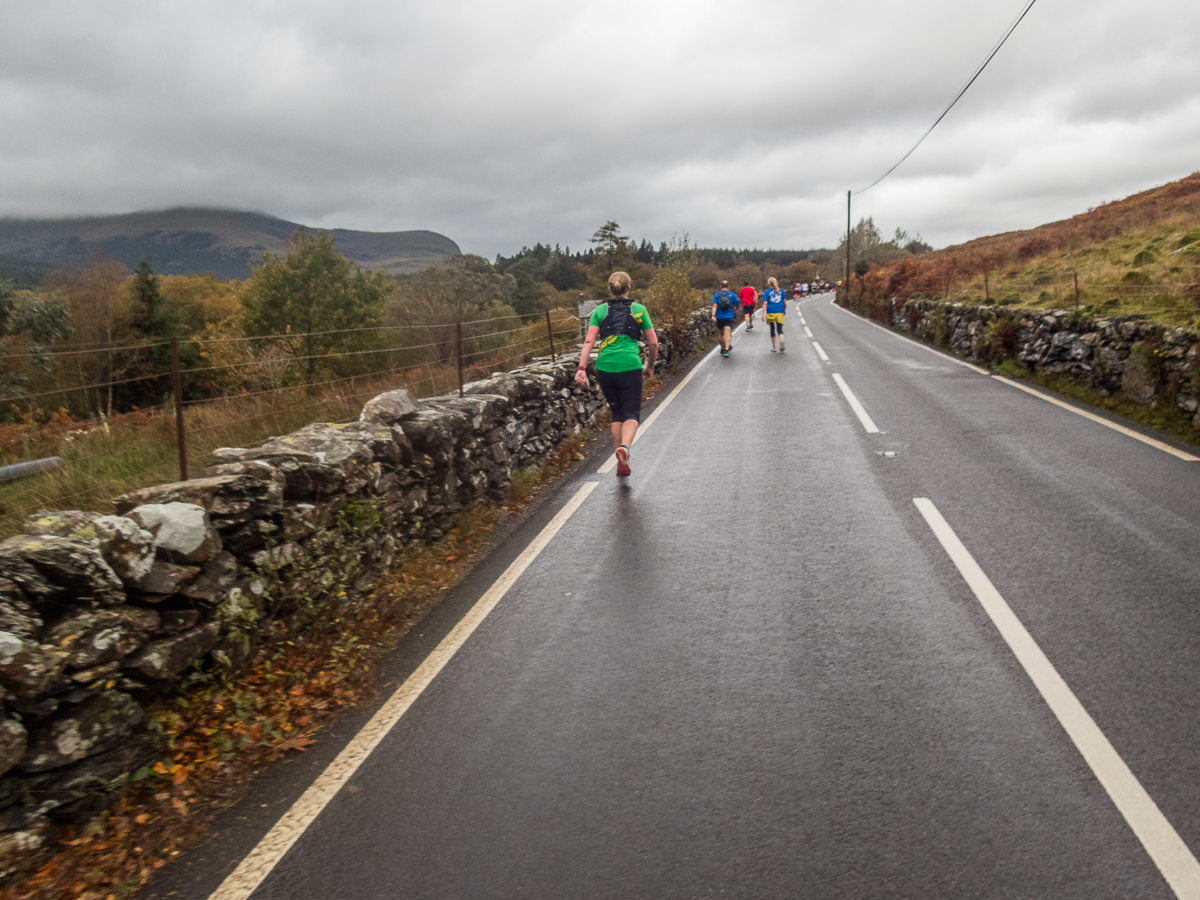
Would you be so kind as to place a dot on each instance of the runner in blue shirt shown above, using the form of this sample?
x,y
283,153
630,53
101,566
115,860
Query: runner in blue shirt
x,y
774,306
725,306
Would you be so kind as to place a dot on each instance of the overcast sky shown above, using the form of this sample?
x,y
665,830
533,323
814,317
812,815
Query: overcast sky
x,y
500,124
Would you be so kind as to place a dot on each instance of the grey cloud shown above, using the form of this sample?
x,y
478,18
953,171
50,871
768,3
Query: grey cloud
x,y
504,124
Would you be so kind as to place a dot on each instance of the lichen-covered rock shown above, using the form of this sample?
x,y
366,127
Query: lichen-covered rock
x,y
77,567
80,730
128,549
255,468
1139,382
173,621
216,577
275,557
83,786
344,454
13,741
28,669
387,409
25,849
73,524
17,615
165,578
250,536
167,658
125,547
483,411
231,498
182,531
435,429
302,519
96,637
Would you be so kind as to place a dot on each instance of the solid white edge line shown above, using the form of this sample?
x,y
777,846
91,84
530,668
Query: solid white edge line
x,y
1174,860
855,405
254,869
915,343
820,352
611,462
1159,445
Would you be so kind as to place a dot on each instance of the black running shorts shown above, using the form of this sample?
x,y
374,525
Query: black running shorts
x,y
623,391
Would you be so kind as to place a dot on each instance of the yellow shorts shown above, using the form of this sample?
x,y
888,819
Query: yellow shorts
x,y
775,317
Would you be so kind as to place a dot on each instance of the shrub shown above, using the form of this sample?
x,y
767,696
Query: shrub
x,y
1144,257
1010,299
1035,246
1001,341
1190,238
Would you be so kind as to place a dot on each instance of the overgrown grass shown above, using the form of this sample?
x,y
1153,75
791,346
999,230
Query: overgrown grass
x,y
1136,272
226,727
1136,256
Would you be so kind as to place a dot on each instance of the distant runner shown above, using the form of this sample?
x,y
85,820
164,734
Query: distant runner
x,y
749,299
774,306
620,323
725,305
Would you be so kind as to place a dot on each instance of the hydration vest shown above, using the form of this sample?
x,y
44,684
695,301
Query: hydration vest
x,y
619,320
725,301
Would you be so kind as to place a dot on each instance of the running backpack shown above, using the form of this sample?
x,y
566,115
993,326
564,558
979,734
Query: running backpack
x,y
725,302
620,320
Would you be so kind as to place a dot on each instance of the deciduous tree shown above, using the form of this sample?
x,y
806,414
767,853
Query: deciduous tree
x,y
314,299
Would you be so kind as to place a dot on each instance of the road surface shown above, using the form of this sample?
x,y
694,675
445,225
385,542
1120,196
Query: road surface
x,y
758,669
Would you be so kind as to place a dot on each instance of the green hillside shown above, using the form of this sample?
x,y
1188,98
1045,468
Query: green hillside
x,y
188,240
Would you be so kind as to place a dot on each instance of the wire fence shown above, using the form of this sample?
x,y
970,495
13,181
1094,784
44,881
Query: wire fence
x,y
1133,292
167,405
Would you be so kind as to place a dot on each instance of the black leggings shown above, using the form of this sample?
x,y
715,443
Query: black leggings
x,y
774,326
623,391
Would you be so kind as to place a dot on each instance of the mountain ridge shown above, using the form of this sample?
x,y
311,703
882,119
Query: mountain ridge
x,y
190,240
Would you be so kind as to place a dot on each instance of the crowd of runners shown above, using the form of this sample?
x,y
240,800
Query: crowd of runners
x,y
620,324
729,309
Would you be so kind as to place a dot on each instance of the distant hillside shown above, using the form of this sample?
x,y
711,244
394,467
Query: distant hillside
x,y
1175,203
186,241
1139,255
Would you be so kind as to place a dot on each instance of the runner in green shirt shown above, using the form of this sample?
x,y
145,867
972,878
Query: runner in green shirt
x,y
620,323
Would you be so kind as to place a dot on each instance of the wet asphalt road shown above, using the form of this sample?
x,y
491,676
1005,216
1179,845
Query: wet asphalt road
x,y
752,671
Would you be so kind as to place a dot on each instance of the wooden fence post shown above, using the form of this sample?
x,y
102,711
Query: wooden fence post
x,y
460,360
177,385
550,334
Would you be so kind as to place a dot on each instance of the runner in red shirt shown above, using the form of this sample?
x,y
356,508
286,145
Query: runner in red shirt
x,y
749,302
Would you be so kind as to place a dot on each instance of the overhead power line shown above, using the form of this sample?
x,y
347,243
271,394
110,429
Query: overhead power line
x,y
978,72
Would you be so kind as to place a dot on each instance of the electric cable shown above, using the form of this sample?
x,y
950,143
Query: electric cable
x,y
978,72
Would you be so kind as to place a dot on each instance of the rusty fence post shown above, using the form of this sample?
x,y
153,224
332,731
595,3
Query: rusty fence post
x,y
177,386
550,334
987,291
1076,276
460,360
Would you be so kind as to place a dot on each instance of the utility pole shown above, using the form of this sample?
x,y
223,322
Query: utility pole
x,y
848,247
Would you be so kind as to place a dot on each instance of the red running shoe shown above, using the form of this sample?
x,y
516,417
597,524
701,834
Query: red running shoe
x,y
623,469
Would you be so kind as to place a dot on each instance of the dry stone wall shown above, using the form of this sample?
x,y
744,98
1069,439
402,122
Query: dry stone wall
x,y
100,615
1143,361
